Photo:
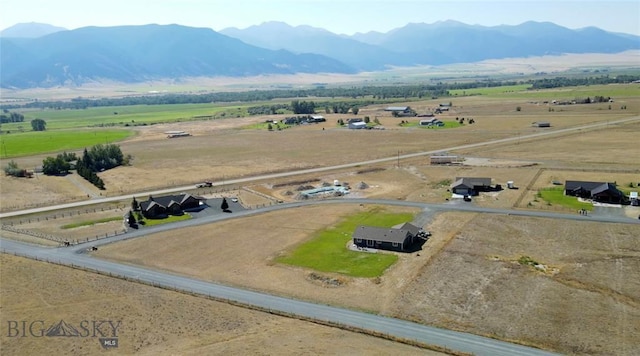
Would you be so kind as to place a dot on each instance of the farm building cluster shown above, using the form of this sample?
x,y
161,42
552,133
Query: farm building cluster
x,y
302,120
326,190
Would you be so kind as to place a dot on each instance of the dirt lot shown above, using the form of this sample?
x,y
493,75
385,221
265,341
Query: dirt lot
x,y
155,321
464,278
585,303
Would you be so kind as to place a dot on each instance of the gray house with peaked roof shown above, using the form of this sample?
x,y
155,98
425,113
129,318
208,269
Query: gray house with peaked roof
x,y
398,238
599,191
470,185
401,110
156,207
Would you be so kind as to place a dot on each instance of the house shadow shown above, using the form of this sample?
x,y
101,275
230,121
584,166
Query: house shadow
x,y
417,245
196,210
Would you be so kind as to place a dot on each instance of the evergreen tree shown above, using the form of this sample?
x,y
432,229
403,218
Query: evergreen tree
x,y
224,206
132,219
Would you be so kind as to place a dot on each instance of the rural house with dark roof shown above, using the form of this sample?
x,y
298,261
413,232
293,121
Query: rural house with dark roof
x,y
401,110
470,185
601,192
156,207
403,237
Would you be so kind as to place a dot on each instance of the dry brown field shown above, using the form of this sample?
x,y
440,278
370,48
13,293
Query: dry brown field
x,y
156,321
585,302
221,149
465,277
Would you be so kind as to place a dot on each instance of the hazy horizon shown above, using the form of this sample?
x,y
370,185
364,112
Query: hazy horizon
x,y
341,17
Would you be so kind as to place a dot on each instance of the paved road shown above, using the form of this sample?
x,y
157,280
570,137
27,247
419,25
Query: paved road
x,y
322,169
399,328
453,340
426,207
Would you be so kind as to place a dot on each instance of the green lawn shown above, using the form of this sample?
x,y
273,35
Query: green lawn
x,y
169,219
565,93
37,142
555,196
327,250
447,125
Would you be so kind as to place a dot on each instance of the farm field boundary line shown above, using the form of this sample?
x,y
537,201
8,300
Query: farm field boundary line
x,y
529,186
326,169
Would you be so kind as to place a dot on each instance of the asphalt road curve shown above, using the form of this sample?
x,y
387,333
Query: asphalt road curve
x,y
477,345
395,327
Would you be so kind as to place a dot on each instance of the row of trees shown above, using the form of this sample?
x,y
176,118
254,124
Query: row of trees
x,y
59,165
559,82
267,109
374,92
97,159
102,157
303,107
308,107
10,116
385,93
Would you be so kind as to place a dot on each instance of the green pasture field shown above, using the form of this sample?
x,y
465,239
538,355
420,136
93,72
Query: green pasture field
x,y
327,251
565,93
91,222
555,196
493,91
37,142
265,126
131,115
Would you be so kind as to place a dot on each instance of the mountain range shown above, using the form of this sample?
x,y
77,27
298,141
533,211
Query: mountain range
x,y
40,55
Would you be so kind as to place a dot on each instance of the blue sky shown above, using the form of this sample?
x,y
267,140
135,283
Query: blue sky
x,y
346,16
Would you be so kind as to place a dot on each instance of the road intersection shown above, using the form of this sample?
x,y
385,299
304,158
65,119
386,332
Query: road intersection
x,y
76,256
